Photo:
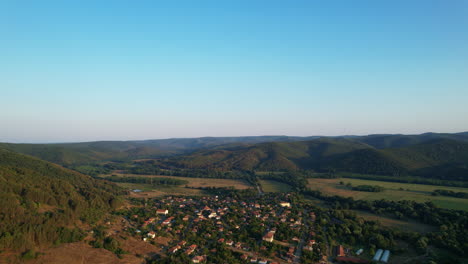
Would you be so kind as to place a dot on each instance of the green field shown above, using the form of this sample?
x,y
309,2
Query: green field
x,y
393,191
151,191
191,188
404,225
274,186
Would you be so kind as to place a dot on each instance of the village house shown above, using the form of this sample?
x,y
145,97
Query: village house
x,y
168,221
198,259
174,249
151,234
191,249
162,211
339,251
269,236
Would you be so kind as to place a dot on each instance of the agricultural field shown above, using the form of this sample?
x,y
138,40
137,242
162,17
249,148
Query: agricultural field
x,y
393,191
274,186
198,182
404,225
191,188
149,191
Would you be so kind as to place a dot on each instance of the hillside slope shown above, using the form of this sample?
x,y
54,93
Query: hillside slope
x,y
439,158
398,141
268,156
91,152
41,203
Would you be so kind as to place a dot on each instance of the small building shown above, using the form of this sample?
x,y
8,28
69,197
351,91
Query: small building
x,y
359,252
151,234
339,251
174,249
168,220
385,256
198,259
377,255
190,249
269,237
212,214
285,204
162,211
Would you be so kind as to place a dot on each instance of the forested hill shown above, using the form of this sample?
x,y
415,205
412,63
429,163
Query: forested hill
x,y
398,141
92,152
42,202
270,156
439,158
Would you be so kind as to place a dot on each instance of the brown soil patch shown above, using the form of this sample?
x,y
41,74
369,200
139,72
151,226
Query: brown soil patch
x,y
81,253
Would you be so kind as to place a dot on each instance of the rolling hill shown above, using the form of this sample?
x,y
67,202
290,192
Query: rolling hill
x,y
269,156
398,141
438,158
91,152
42,203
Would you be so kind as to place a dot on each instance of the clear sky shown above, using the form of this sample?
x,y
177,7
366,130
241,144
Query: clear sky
x,y
120,70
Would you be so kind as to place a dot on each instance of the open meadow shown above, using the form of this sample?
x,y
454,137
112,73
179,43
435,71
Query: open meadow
x,y
191,188
393,191
274,186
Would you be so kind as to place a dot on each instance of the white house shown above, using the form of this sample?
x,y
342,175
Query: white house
x,y
162,211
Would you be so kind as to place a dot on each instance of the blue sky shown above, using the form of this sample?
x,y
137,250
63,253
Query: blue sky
x,y
120,70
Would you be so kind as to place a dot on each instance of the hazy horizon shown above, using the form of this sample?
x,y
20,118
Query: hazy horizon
x,y
227,136
115,70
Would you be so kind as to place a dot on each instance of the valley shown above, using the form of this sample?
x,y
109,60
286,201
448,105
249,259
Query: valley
x,y
111,217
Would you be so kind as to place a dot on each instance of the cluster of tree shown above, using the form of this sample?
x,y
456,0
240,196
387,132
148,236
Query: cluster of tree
x,y
296,179
106,242
450,193
368,188
155,181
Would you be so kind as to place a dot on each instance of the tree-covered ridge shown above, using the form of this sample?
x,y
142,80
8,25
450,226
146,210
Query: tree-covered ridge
x,y
42,202
89,152
441,158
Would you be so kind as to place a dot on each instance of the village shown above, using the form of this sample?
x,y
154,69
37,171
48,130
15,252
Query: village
x,y
272,228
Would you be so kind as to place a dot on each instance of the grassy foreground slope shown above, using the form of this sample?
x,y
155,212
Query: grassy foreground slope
x,y
42,203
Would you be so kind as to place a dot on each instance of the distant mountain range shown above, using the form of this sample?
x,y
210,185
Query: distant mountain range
x,y
438,155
